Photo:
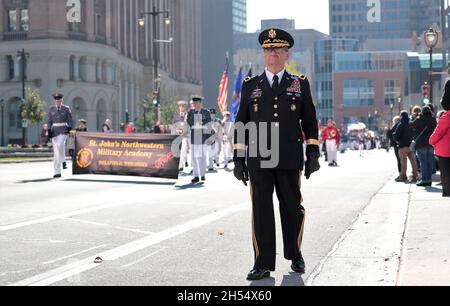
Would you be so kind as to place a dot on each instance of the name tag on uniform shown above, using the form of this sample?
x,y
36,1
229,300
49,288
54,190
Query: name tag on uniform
x,y
257,93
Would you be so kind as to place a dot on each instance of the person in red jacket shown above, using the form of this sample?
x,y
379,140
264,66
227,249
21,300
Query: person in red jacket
x,y
332,139
440,140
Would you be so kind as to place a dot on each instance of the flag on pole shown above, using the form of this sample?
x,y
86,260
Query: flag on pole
x,y
222,100
236,95
250,73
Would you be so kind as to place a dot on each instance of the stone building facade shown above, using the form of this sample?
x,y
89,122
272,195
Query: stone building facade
x,y
103,63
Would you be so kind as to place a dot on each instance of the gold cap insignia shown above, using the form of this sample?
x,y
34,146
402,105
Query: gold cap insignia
x,y
272,34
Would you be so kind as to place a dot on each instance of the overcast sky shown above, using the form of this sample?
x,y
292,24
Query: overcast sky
x,y
308,14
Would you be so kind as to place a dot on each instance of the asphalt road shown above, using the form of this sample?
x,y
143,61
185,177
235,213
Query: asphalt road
x,y
162,232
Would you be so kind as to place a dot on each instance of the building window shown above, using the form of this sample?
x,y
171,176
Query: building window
x,y
24,20
15,119
98,71
359,93
392,91
72,68
10,72
12,20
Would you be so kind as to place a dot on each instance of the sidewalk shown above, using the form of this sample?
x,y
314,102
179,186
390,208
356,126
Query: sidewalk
x,y
426,251
402,238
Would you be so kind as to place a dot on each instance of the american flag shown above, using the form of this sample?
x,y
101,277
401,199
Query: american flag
x,y
223,90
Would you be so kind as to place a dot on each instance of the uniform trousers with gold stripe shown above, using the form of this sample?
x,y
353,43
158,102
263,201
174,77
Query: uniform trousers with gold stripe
x,y
286,183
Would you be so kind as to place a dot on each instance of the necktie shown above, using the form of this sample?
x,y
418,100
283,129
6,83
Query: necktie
x,y
59,108
275,83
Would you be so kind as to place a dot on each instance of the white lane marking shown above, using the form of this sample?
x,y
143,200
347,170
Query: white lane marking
x,y
138,231
81,266
73,255
143,258
63,216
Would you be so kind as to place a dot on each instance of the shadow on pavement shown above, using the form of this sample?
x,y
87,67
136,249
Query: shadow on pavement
x,y
189,186
267,282
35,181
434,190
293,280
122,182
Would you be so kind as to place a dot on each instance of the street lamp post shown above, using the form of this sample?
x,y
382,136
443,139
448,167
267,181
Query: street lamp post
x,y
145,116
431,40
22,56
154,13
2,106
392,114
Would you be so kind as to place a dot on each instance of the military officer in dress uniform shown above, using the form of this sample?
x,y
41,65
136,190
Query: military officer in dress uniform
x,y
60,124
179,128
199,120
277,103
215,143
228,135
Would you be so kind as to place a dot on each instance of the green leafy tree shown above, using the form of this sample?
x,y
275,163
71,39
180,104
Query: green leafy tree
x,y
33,108
166,110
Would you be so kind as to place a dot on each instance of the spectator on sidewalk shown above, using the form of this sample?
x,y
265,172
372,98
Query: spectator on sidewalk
x,y
423,127
404,137
393,143
82,127
107,126
440,140
45,135
130,128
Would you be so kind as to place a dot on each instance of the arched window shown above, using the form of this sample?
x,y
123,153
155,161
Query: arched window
x,y
101,114
14,116
79,110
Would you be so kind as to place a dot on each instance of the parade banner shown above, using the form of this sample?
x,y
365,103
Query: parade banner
x,y
124,154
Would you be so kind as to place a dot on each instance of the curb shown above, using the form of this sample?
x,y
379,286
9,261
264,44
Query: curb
x,y
26,161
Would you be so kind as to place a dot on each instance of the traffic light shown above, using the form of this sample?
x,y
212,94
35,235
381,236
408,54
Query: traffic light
x,y
426,94
155,98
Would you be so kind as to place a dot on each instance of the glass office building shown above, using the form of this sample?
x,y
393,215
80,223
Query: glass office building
x,y
397,18
324,66
240,16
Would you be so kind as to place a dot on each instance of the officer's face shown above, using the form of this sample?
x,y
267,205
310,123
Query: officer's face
x,y
276,56
58,101
197,105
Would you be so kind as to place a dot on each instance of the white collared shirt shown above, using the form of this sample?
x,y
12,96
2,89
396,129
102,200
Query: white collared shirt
x,y
270,76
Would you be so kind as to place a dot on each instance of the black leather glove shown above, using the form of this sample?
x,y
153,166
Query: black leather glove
x,y
240,170
312,160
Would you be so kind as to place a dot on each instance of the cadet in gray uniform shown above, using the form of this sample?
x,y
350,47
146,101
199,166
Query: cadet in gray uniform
x,y
60,123
179,128
199,119
215,145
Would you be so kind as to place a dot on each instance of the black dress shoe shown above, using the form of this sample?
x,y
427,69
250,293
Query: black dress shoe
x,y
203,178
258,274
64,165
57,176
298,265
195,180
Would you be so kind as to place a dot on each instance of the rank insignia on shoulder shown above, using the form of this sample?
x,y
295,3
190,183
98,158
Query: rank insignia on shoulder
x,y
302,77
247,79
